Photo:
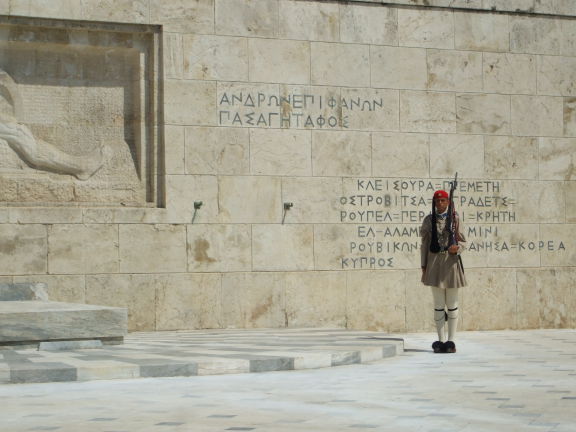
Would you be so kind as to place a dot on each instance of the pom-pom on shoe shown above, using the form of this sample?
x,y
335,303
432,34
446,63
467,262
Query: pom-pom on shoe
x,y
438,347
450,347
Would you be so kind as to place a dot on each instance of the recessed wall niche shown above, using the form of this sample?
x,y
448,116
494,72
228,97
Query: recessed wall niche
x,y
79,109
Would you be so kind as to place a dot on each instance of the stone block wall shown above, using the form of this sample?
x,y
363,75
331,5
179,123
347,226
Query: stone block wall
x,y
354,112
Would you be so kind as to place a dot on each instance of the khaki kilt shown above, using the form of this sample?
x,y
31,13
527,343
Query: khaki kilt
x,y
443,270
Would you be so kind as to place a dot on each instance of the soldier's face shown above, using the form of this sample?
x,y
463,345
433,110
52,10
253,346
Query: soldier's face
x,y
441,204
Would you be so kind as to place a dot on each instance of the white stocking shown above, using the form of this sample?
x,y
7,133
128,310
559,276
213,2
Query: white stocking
x,y
439,312
452,306
445,298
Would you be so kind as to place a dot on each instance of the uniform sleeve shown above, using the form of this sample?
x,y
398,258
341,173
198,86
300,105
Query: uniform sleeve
x,y
425,233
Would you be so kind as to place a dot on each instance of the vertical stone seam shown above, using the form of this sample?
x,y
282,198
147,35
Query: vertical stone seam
x,y
187,249
509,34
119,253
311,159
309,62
182,56
251,247
283,299
155,305
118,248
453,29
516,317
510,117
462,308
277,32
401,94
282,211
565,184
399,116
184,147
369,45
250,173
405,283
456,122
47,229
372,154
314,248
538,61
427,89
370,64
539,141
484,171
249,48
428,161
346,298
339,24
482,72
511,113
218,217
395,8
539,238
85,289
221,317
312,151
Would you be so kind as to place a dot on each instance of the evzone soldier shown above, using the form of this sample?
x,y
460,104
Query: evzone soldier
x,y
442,268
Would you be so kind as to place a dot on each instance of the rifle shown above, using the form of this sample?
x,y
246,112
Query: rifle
x,y
451,222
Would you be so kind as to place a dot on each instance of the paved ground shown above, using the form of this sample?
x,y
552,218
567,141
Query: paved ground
x,y
498,381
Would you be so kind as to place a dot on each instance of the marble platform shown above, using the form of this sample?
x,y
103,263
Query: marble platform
x,y
201,352
29,320
39,321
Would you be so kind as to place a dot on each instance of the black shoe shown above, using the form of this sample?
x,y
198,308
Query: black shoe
x,y
450,347
438,347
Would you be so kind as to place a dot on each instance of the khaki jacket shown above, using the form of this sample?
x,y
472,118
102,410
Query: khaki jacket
x,y
443,270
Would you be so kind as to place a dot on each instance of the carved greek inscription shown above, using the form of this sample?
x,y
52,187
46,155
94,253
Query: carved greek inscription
x,y
301,111
388,214
520,245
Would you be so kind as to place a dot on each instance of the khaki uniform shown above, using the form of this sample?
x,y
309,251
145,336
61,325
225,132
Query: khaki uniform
x,y
443,270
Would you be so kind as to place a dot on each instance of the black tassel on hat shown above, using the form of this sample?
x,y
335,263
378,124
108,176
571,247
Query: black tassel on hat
x,y
434,245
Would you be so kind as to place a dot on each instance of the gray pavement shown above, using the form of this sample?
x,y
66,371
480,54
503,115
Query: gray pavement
x,y
497,381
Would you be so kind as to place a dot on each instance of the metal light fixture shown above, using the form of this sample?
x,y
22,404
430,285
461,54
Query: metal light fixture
x,y
287,206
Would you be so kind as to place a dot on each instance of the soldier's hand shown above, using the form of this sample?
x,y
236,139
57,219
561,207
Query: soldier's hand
x,y
453,249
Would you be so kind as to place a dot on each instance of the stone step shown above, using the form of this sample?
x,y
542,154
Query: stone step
x,y
32,322
201,352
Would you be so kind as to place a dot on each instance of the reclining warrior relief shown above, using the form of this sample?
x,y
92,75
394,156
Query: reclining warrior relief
x,y
36,152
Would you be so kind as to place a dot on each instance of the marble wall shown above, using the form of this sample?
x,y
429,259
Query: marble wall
x,y
353,112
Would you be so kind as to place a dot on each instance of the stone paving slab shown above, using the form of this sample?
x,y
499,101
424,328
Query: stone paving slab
x,y
500,381
207,352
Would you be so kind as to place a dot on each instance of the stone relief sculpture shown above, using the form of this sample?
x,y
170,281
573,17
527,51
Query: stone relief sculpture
x,y
35,152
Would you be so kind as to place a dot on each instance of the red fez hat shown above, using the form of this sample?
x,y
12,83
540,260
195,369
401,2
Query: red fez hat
x,y
440,194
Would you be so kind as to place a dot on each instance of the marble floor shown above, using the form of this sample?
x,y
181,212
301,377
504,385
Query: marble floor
x,y
497,381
